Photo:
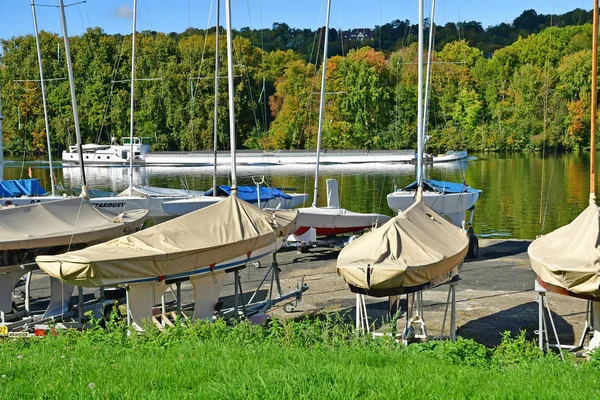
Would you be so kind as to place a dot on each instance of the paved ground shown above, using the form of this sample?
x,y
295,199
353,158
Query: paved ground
x,y
495,293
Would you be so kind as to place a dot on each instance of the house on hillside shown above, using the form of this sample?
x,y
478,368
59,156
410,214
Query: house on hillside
x,y
358,34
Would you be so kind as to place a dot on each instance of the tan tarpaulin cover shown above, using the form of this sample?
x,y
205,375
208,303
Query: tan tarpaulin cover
x,y
410,250
569,257
61,222
228,229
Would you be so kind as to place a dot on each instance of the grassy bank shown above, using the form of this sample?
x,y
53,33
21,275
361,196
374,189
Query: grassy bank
x,y
307,359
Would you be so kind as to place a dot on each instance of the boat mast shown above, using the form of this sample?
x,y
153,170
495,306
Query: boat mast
x,y
321,106
63,21
216,101
39,55
428,72
594,104
230,90
420,108
132,99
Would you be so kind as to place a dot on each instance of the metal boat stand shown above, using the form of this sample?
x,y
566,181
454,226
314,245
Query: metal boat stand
x,y
275,293
414,327
542,331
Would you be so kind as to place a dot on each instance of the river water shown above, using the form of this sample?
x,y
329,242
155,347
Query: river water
x,y
524,194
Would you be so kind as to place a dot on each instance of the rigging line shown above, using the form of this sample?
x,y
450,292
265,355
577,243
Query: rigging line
x,y
307,115
115,71
549,187
238,53
262,60
194,90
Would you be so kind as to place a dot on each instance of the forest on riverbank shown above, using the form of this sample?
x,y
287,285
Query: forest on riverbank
x,y
484,95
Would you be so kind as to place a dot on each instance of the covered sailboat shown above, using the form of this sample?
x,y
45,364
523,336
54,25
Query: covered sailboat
x,y
200,246
51,228
413,251
416,250
566,260
177,248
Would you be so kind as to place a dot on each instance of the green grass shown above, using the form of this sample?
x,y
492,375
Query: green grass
x,y
306,359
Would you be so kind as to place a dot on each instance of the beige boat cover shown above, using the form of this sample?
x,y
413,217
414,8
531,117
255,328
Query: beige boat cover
x,y
569,257
62,222
225,230
409,252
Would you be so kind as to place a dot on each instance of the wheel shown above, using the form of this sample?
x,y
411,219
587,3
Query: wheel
x,y
303,248
473,247
289,307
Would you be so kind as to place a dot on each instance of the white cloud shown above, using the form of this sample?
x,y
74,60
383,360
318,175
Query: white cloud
x,y
124,11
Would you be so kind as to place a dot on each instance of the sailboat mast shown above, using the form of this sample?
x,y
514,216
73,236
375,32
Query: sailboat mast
x,y
420,107
215,136
131,119
39,55
594,104
428,72
321,106
63,21
230,90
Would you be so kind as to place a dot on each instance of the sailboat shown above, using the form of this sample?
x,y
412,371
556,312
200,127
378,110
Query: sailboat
x,y
450,199
200,246
415,250
566,260
54,226
263,197
332,220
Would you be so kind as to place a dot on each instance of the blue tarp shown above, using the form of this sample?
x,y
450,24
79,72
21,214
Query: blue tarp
x,y
21,187
442,186
248,193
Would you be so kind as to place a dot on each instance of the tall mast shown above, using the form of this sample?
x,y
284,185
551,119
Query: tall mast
x,y
63,21
420,107
321,106
230,90
215,136
594,104
428,72
132,98
39,55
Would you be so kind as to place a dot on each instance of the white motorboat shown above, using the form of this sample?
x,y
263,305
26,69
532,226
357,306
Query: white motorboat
x,y
110,154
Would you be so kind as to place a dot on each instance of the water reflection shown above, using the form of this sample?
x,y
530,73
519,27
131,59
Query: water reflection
x,y
523,194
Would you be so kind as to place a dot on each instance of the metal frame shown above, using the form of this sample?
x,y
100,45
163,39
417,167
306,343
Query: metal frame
x,y
415,308
542,332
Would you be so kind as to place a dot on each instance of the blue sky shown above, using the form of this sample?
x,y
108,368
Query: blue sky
x,y
177,15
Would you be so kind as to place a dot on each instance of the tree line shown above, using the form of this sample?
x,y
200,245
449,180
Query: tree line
x,y
531,93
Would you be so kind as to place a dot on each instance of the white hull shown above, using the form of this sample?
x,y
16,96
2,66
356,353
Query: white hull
x,y
25,200
334,220
451,156
452,205
258,158
118,205
280,157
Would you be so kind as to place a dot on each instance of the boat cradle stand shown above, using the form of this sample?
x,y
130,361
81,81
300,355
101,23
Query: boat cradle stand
x,y
544,342
275,296
414,327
